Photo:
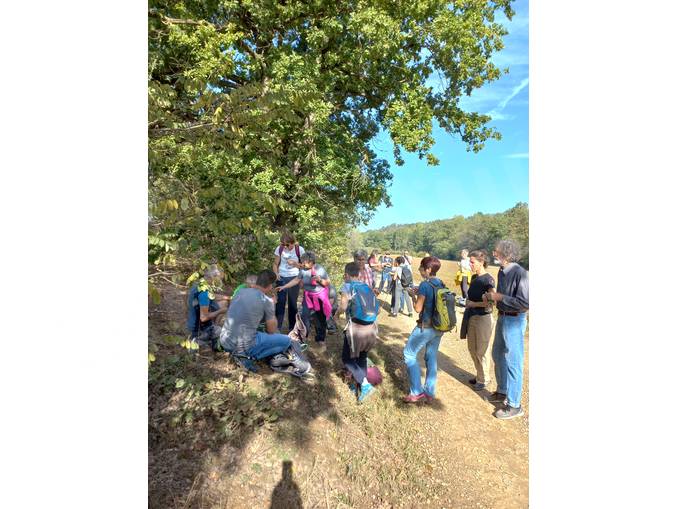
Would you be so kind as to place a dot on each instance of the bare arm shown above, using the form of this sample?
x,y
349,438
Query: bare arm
x,y
419,305
295,281
276,265
206,316
272,325
343,305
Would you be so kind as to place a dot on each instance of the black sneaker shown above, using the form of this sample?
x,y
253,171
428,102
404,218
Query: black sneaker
x,y
472,381
509,412
496,397
478,387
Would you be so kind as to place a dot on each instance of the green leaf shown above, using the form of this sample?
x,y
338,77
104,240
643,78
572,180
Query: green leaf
x,y
154,293
180,382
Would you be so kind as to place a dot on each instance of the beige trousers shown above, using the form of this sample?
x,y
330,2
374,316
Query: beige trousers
x,y
478,339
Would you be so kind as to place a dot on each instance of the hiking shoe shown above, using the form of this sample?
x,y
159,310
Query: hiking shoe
x,y
478,386
497,397
509,412
428,398
411,398
366,390
472,381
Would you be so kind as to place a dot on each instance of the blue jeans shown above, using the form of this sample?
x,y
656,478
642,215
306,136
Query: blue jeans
x,y
385,278
288,297
508,353
266,345
430,338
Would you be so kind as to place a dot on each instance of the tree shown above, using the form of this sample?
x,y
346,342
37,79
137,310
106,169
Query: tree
x,y
261,113
446,238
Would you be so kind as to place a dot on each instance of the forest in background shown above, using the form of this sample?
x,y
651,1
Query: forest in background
x,y
446,238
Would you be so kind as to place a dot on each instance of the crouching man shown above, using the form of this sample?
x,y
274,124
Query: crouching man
x,y
247,310
205,307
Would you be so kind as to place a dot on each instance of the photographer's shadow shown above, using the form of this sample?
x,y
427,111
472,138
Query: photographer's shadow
x,y
286,494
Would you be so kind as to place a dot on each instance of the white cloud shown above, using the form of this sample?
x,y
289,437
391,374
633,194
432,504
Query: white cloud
x,y
510,59
500,116
521,155
516,90
496,113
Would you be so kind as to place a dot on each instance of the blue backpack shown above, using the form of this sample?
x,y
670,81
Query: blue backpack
x,y
193,323
364,306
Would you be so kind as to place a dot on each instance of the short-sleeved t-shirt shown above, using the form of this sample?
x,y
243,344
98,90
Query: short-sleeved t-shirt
x,y
305,276
465,264
426,289
284,269
385,260
479,285
246,312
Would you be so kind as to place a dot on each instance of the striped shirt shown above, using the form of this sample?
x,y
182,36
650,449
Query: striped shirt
x,y
366,276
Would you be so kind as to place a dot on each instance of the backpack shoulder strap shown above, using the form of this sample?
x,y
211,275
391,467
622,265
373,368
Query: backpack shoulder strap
x,y
296,250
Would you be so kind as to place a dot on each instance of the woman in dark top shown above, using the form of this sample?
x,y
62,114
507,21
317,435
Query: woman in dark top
x,y
477,323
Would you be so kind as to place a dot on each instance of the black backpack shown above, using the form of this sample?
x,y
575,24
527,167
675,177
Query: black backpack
x,y
406,277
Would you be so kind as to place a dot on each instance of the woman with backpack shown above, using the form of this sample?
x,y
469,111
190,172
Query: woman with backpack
x,y
424,335
402,279
360,334
286,268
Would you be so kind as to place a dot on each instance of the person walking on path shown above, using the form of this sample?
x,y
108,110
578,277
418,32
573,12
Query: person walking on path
x,y
360,335
424,336
286,268
386,267
399,296
464,274
508,349
476,326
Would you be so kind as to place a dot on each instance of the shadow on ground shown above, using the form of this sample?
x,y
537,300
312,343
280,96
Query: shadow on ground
x,y
286,494
204,410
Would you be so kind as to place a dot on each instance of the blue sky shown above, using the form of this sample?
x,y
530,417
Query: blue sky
x,y
494,179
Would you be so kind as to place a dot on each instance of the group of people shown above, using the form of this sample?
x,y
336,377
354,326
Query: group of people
x,y
254,315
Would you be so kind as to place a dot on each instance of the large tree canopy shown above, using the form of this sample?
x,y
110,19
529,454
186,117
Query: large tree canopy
x,y
261,112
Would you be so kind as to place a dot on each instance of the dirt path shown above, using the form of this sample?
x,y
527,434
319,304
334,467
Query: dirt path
x,y
451,453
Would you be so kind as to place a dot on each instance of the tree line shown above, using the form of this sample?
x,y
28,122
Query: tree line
x,y
446,238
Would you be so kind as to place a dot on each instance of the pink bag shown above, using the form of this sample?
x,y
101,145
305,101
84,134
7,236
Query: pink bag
x,y
374,375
